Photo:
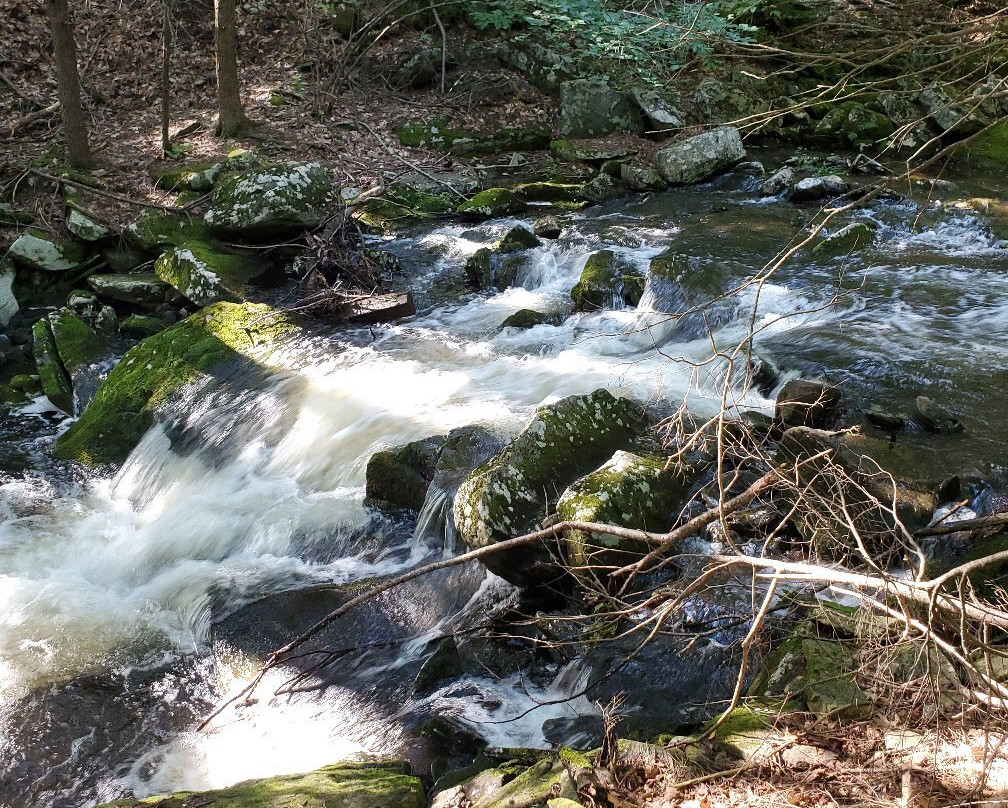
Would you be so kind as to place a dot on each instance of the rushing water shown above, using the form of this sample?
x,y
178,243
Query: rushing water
x,y
130,605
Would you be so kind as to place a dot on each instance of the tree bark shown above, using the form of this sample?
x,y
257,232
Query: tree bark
x,y
232,119
68,85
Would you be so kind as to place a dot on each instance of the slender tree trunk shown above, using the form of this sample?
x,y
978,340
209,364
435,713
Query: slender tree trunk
x,y
166,56
68,85
232,117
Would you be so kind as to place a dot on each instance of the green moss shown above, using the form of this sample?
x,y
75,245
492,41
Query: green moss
x,y
76,342
154,370
400,204
399,478
517,238
139,327
342,785
198,177
52,375
206,275
574,759
479,269
157,230
851,237
604,282
438,133
525,318
549,191
491,203
856,124
988,151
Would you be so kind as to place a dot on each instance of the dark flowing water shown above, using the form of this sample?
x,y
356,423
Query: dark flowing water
x,y
128,606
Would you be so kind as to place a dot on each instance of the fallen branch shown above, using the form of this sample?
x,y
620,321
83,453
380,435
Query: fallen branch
x,y
27,121
111,195
980,523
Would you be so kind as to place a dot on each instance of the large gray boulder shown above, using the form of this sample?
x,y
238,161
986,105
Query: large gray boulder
x,y
205,275
507,495
591,108
270,202
140,288
38,251
700,157
8,303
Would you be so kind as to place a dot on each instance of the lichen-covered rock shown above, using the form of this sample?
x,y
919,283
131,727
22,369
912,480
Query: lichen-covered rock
x,y
491,203
139,326
525,318
591,108
507,495
700,157
140,289
199,177
948,114
846,240
154,370
605,283
157,230
399,478
603,187
378,784
547,779
547,227
38,251
269,202
642,178
402,202
205,275
855,124
814,189
778,182
439,133
661,106
8,302
628,490
84,228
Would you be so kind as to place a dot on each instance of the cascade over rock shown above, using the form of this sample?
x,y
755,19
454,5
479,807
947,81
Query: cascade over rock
x,y
507,496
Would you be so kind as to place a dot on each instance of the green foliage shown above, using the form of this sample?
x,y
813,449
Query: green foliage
x,y
652,38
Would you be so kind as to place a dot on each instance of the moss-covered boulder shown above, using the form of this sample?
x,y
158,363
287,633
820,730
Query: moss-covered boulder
x,y
401,203
491,203
517,238
987,151
438,133
84,227
525,318
479,269
846,240
53,377
63,344
606,282
139,289
199,177
206,275
157,230
139,326
699,157
549,191
39,251
154,370
399,478
379,784
508,495
268,202
855,124
628,490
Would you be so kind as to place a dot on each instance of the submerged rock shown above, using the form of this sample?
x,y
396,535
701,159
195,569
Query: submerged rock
x,y
205,275
700,157
507,495
270,202
934,417
629,490
379,784
525,318
848,238
153,371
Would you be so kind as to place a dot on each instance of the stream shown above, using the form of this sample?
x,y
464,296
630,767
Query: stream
x,y
130,605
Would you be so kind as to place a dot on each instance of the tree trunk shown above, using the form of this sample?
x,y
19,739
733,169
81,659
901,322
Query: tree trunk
x,y
232,117
68,85
166,55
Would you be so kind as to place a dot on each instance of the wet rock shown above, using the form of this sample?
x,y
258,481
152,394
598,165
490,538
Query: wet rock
x,y
883,419
547,227
398,478
270,202
507,495
807,403
700,157
606,282
547,779
138,326
38,251
8,302
492,203
846,240
379,308
139,289
913,132
813,189
82,302
549,191
442,666
604,187
591,108
107,320
206,275
629,490
934,417
642,178
63,344
689,288
479,269
517,238
157,230
154,370
53,377
374,784
525,318
778,182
